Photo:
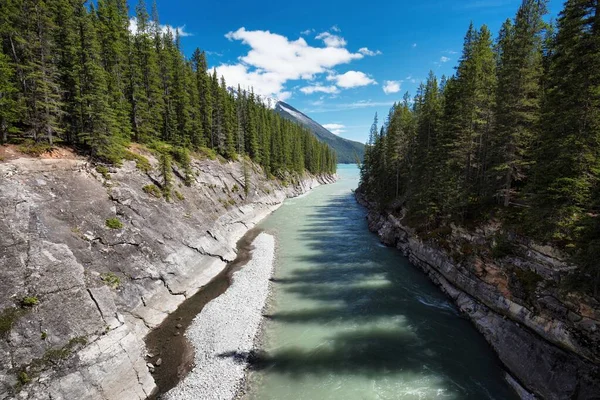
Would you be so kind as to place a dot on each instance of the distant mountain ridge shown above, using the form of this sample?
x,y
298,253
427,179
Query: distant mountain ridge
x,y
347,150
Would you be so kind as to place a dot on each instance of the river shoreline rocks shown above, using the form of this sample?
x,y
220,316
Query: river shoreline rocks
x,y
224,333
549,342
100,289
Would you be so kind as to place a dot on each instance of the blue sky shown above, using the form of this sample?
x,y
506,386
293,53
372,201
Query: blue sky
x,y
333,59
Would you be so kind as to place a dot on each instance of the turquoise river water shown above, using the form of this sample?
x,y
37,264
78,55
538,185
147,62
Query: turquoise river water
x,y
351,319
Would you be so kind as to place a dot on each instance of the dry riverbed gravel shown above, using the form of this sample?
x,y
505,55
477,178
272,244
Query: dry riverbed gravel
x,y
224,332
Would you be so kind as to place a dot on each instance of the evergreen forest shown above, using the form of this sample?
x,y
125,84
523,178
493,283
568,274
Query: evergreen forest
x,y
73,73
512,136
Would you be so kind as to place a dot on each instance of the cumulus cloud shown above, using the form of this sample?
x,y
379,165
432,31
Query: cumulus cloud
x,y
351,106
352,79
319,89
365,51
331,40
133,28
391,87
336,129
274,59
444,59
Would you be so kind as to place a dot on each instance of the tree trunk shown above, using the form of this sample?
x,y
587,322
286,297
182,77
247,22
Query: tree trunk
x,y
4,130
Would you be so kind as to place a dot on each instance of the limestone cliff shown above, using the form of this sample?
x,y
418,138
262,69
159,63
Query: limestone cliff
x,y
547,338
77,297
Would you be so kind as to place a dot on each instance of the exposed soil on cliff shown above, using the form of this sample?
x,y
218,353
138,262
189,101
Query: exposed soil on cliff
x,y
168,343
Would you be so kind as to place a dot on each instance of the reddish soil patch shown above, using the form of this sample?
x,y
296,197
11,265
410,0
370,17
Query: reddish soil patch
x,y
10,152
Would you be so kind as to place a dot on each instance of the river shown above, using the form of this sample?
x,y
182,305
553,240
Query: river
x,y
351,319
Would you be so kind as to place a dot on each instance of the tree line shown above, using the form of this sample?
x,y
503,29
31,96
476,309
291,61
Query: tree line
x,y
72,71
513,135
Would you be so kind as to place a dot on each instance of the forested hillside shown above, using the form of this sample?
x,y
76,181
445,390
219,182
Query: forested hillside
x,y
72,72
513,136
347,151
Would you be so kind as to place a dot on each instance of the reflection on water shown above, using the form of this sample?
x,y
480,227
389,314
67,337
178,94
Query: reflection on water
x,y
351,319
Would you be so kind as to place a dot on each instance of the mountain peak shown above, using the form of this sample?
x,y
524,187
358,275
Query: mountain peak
x,y
347,150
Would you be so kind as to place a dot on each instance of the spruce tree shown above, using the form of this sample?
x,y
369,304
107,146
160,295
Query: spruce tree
x,y
8,98
567,166
41,89
518,97
97,115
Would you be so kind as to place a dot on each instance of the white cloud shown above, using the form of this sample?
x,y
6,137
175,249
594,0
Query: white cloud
x,y
444,59
307,32
365,51
335,28
391,87
351,106
319,89
450,52
274,60
414,45
352,79
164,28
336,129
331,40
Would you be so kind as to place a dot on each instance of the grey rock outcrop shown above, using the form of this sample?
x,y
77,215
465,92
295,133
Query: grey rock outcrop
x,y
548,340
95,292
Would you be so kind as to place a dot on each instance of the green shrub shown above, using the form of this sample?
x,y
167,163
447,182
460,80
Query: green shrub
x,y
182,157
55,355
528,279
102,170
8,317
179,196
208,153
166,172
152,190
111,280
503,247
29,301
235,188
141,162
24,378
441,232
247,179
34,148
44,335
114,223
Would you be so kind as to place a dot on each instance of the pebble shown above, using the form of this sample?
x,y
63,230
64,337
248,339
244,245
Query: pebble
x,y
158,362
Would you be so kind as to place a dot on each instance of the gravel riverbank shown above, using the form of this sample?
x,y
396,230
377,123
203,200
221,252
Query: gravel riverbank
x,y
224,332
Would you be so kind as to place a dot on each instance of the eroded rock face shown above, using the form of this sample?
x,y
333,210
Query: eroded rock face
x,y
97,290
548,340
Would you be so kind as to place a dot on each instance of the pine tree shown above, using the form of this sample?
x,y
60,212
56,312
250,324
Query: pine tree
x,y
41,89
8,100
97,116
145,93
468,120
567,166
518,97
113,36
